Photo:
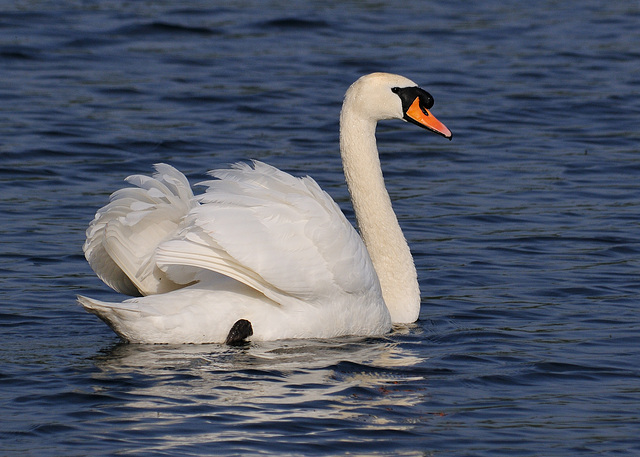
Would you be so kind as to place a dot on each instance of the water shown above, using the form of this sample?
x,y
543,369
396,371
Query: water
x,y
524,228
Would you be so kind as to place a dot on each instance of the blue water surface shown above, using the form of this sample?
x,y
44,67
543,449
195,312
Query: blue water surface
x,y
525,228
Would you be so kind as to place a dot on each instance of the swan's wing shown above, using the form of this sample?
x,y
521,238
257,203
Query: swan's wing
x,y
123,236
281,235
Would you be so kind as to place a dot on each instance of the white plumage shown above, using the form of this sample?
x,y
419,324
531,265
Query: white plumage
x,y
259,245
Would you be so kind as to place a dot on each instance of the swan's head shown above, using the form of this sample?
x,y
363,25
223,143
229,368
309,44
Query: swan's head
x,y
379,96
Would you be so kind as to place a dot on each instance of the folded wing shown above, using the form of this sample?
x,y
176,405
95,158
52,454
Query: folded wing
x,y
281,235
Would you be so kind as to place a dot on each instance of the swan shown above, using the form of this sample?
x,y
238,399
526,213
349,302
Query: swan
x,y
263,255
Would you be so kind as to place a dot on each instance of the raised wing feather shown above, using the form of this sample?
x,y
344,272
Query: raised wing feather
x,y
281,235
123,237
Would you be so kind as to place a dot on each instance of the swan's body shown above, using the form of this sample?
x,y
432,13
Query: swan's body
x,y
262,248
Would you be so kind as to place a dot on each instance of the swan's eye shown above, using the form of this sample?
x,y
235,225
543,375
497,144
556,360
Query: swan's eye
x,y
408,95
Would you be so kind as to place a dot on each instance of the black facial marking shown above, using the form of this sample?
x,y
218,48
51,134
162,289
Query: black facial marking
x,y
409,94
241,330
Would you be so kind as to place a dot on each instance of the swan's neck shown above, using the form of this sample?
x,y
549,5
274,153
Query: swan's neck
x,y
377,222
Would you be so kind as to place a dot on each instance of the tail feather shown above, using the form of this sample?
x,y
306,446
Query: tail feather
x,y
115,315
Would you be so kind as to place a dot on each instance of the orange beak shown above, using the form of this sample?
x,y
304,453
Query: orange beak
x,y
424,118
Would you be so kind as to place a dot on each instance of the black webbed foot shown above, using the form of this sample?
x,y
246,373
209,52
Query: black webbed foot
x,y
241,330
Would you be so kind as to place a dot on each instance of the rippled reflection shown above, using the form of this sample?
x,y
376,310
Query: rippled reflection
x,y
271,388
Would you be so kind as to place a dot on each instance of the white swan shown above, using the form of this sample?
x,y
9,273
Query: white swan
x,y
260,252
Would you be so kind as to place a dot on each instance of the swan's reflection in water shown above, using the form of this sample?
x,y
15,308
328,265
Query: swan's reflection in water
x,y
184,395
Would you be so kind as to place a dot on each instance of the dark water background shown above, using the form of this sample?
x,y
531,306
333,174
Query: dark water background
x,y
525,228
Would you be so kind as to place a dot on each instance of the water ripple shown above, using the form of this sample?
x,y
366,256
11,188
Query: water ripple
x,y
524,228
